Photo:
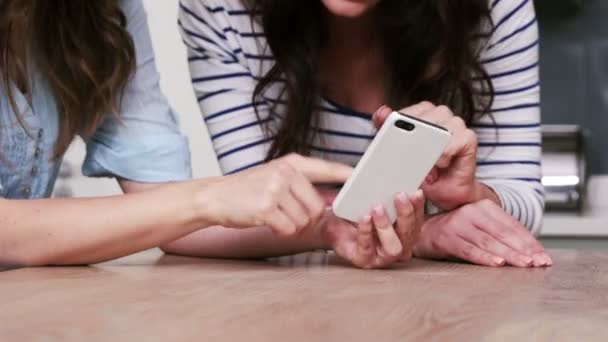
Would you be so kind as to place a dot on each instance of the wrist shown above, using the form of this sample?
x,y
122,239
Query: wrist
x,y
425,246
483,192
322,234
202,201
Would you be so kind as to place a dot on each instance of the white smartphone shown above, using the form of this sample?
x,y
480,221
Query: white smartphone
x,y
398,160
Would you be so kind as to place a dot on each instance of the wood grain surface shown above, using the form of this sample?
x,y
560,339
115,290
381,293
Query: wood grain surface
x,y
309,297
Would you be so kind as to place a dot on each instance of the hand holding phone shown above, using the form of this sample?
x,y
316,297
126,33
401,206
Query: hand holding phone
x,y
398,160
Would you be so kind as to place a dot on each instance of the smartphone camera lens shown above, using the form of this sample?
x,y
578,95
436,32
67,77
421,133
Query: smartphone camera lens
x,y
404,125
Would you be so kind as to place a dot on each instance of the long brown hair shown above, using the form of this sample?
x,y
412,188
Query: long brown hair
x,y
417,35
82,49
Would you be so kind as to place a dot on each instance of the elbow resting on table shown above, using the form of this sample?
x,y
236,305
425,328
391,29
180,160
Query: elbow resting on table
x,y
170,248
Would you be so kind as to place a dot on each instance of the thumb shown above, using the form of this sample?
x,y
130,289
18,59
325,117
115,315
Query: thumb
x,y
433,176
320,171
430,189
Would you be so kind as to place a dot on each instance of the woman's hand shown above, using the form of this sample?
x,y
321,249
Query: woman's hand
x,y
375,242
279,195
481,233
452,182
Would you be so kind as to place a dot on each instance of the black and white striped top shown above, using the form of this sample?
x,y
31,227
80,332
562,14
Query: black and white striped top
x,y
227,56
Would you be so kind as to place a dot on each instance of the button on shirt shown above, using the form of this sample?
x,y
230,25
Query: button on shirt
x,y
143,145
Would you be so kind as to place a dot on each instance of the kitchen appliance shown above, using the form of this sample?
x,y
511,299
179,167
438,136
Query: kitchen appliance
x,y
564,167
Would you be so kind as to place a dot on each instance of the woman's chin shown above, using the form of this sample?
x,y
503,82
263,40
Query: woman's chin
x,y
349,8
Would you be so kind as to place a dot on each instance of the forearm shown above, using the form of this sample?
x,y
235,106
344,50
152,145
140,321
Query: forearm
x,y
84,231
252,243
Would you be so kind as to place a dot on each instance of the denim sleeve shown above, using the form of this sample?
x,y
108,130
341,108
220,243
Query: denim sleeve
x,y
144,143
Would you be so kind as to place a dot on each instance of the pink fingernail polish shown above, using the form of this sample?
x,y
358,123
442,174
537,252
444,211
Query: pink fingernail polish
x,y
527,261
499,261
537,260
379,210
379,110
402,197
548,260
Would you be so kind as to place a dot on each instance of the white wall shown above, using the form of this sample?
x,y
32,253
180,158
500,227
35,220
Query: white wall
x,y
175,82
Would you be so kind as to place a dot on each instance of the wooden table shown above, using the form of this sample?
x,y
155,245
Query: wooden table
x,y
310,297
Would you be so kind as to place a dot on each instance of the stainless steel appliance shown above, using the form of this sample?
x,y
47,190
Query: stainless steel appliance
x,y
564,167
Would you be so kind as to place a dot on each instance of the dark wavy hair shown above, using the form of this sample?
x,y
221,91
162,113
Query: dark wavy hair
x,y
83,50
432,50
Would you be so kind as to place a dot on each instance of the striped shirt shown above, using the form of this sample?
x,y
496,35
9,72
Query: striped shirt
x,y
228,55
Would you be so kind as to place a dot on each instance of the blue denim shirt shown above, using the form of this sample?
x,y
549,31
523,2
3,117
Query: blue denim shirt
x,y
144,145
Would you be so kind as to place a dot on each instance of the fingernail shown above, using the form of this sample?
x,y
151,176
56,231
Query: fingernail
x,y
379,210
538,260
499,261
527,261
367,219
379,110
548,260
402,197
